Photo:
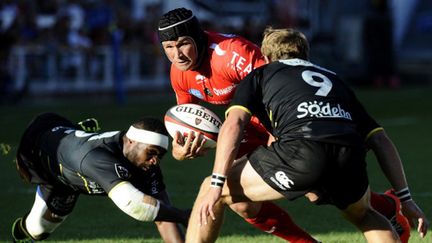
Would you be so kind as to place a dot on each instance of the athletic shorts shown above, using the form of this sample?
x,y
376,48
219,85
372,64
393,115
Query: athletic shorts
x,y
29,163
297,167
254,135
59,199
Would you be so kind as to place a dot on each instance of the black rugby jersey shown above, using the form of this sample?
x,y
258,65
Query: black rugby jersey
x,y
297,99
94,163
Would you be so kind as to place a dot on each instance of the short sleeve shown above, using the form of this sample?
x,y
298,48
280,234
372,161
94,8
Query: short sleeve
x,y
248,93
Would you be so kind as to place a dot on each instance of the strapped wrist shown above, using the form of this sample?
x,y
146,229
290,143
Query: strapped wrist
x,y
217,180
404,194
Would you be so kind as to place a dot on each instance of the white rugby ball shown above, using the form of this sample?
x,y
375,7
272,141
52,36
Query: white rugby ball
x,y
192,117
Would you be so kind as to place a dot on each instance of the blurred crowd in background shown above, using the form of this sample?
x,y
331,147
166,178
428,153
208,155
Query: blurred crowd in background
x,y
58,46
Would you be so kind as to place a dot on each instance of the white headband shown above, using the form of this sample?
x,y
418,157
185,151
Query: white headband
x,y
148,137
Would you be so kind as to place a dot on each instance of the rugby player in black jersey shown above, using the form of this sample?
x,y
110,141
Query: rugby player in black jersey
x,y
66,161
321,132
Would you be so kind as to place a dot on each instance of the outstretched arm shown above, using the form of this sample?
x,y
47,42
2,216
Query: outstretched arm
x,y
228,143
391,165
147,208
170,231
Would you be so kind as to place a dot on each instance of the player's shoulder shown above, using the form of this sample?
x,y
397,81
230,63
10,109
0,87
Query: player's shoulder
x,y
296,62
230,42
100,160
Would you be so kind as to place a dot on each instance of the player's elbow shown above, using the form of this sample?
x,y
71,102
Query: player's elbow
x,y
233,126
134,203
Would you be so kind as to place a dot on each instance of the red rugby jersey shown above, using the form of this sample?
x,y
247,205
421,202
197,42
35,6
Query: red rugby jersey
x,y
230,58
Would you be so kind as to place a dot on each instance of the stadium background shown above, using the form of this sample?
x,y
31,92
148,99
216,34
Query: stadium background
x,y
102,59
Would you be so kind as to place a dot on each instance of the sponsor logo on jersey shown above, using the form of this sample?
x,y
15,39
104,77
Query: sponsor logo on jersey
x,y
217,49
200,78
63,203
67,130
196,93
219,102
82,134
282,181
103,135
225,90
322,110
95,188
154,187
208,92
122,172
239,63
270,231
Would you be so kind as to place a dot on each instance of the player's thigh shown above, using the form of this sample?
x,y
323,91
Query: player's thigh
x,y
356,210
244,184
59,200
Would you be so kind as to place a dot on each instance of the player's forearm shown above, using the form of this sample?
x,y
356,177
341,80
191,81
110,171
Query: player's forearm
x,y
228,142
389,160
169,213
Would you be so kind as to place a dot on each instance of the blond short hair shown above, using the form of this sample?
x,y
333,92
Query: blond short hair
x,y
284,44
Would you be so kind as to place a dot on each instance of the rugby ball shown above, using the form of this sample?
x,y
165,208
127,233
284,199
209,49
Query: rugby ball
x,y
192,117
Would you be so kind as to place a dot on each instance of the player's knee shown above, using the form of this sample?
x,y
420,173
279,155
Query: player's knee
x,y
39,228
246,210
357,213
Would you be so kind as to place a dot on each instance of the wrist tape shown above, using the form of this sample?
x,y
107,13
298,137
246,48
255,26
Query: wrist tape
x,y
217,180
404,195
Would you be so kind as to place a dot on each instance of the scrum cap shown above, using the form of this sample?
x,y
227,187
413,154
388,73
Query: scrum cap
x,y
179,22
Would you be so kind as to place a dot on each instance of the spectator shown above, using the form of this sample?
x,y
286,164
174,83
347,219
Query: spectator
x,y
378,46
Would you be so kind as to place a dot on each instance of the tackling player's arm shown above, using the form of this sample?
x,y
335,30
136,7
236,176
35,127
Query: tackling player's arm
x,y
229,138
143,207
228,144
387,157
169,231
391,165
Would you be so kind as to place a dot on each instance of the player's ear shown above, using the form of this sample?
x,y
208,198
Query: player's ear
x,y
129,141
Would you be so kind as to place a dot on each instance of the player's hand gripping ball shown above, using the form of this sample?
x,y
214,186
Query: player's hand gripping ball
x,y
192,117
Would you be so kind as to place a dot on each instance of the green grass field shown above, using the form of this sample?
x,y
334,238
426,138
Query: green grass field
x,y
406,114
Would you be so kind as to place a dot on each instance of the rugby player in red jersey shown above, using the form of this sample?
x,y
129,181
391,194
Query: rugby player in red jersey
x,y
208,66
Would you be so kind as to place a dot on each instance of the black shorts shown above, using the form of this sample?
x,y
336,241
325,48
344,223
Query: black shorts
x,y
29,154
59,199
296,167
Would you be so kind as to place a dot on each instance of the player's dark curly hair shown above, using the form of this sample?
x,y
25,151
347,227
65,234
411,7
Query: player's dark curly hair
x,y
151,124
